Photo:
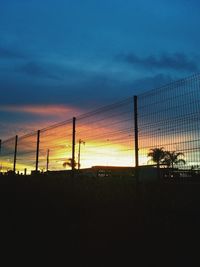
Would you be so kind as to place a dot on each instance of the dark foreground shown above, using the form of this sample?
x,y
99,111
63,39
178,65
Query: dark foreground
x,y
100,221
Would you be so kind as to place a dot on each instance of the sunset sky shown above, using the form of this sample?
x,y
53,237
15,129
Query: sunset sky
x,y
62,58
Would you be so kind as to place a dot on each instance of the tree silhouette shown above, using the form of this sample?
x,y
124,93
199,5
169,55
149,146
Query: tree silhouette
x,y
172,158
157,155
69,163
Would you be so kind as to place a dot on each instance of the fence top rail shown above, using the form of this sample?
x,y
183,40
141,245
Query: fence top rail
x,y
108,107
27,135
52,126
195,76
105,108
3,142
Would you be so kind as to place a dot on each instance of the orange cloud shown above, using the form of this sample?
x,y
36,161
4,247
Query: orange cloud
x,y
43,110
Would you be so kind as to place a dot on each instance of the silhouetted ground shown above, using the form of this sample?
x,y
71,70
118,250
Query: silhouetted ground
x,y
100,221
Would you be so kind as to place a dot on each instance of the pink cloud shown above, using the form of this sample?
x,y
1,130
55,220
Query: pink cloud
x,y
43,110
45,115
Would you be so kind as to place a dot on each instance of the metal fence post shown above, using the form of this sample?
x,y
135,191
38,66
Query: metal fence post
x,y
136,148
73,144
37,150
0,155
15,154
136,130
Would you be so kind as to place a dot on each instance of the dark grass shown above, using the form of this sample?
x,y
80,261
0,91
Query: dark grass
x,y
100,221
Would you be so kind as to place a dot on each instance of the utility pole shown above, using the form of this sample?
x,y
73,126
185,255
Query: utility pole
x,y
79,152
15,154
47,167
37,150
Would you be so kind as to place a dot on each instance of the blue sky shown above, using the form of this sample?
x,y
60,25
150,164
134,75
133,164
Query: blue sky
x,y
78,54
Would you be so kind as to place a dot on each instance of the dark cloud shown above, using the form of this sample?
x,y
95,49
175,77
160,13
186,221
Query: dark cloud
x,y
95,91
176,61
83,89
8,53
38,70
150,82
88,90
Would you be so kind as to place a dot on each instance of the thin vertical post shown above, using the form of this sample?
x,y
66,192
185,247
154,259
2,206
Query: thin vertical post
x,y
15,154
136,130
47,167
137,187
79,153
37,150
73,144
0,155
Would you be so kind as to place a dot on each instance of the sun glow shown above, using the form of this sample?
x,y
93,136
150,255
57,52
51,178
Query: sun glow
x,y
108,140
102,152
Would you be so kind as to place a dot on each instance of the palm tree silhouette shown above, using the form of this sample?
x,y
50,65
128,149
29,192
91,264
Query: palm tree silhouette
x,y
157,155
69,163
172,158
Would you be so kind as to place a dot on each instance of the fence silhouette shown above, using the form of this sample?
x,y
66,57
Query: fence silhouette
x,y
114,135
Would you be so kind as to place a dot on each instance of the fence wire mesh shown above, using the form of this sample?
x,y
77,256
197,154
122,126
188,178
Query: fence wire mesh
x,y
7,154
168,118
55,146
26,152
105,137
